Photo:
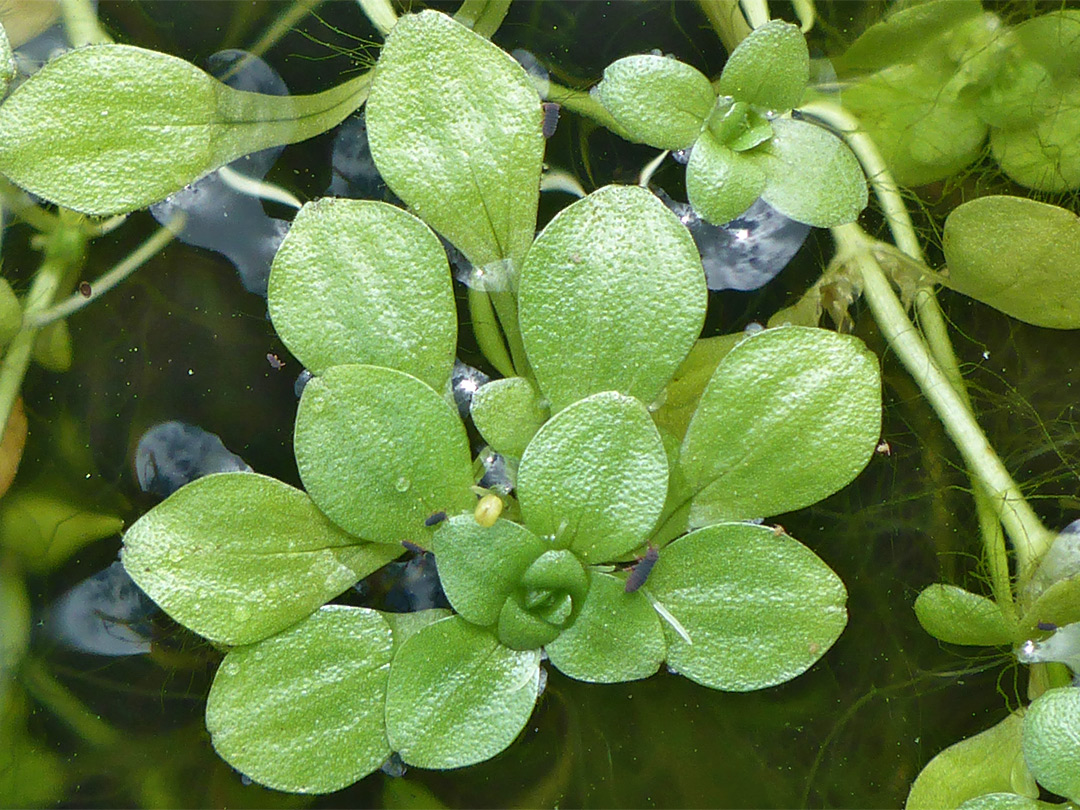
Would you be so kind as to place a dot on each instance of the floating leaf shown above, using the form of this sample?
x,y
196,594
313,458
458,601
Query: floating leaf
x,y
303,711
957,616
1052,742
237,557
659,101
508,413
1017,255
721,184
358,281
616,637
1053,40
770,68
595,477
790,416
379,452
454,127
612,297
108,129
684,391
1006,801
1045,154
759,607
457,696
811,175
44,529
989,762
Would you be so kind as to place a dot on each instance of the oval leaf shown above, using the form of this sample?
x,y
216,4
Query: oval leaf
x,y
790,416
1045,155
989,762
1019,256
237,557
108,129
759,608
380,452
721,184
454,125
357,281
508,413
303,711
457,696
612,297
1052,742
770,68
659,101
957,616
595,477
617,637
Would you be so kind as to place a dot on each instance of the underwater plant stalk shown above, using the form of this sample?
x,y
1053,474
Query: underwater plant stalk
x,y
1029,537
727,21
81,23
51,694
381,14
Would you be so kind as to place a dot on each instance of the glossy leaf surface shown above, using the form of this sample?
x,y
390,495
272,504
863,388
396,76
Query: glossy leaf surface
x,y
379,452
237,557
303,711
721,184
957,616
769,68
508,413
1052,741
357,281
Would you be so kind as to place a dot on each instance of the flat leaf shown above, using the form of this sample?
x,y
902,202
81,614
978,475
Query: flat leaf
x,y
508,413
1017,255
1058,604
358,281
303,711
811,175
617,636
237,557
380,452
659,101
612,297
14,625
989,762
406,625
108,129
457,696
1006,801
7,62
1053,40
454,125
1051,741
956,616
479,567
684,391
759,607
790,416
770,68
45,528
595,477
1044,154
721,184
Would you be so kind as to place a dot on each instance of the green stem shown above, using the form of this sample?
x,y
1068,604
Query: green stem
x,y
55,697
727,21
285,23
486,330
81,23
1029,537
584,103
483,16
381,14
506,309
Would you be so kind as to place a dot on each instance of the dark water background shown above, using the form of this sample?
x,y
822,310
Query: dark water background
x,y
183,340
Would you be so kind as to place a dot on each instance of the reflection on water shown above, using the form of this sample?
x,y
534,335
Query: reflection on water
x,y
183,342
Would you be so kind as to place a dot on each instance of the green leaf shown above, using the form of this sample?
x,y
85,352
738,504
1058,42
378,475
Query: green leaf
x,y
790,416
612,297
684,391
759,608
720,183
406,625
547,600
739,126
616,637
508,413
1006,801
480,567
237,557
923,131
45,529
595,477
457,696
30,775
108,129
7,62
1045,154
770,68
1053,40
811,175
303,711
659,101
454,126
1058,604
989,762
380,452
14,625
1017,255
357,281
1052,742
956,616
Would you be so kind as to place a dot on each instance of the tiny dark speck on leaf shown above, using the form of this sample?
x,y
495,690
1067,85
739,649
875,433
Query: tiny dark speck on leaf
x,y
641,571
84,289
551,118
435,519
411,546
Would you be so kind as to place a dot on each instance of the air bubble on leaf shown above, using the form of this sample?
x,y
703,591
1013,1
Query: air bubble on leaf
x,y
172,454
105,614
302,379
394,766
465,381
682,155
753,328
217,216
541,79
746,253
1062,647
500,475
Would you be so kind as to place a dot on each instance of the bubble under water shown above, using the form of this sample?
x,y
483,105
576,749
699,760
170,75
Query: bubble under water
x,y
172,454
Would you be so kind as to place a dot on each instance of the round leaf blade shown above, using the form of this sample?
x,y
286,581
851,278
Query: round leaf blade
x,y
956,616
1051,741
721,184
508,413
770,68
